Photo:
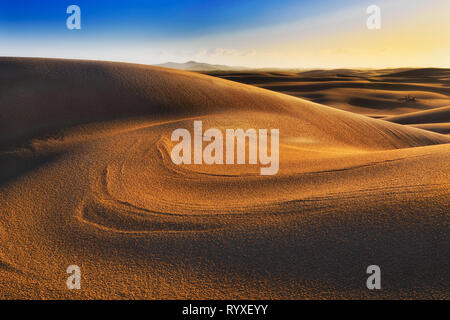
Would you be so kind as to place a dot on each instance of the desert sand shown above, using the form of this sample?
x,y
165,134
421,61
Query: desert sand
x,y
375,93
436,119
86,179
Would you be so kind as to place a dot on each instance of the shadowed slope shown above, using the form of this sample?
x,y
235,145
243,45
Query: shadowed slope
x,y
436,115
42,94
370,92
436,120
351,191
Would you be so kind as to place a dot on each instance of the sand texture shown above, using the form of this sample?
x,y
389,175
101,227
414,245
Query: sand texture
x,y
376,93
86,178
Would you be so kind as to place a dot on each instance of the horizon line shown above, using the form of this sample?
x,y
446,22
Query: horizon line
x,y
230,66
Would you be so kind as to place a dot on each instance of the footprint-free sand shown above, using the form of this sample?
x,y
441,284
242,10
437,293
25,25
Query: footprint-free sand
x,y
87,179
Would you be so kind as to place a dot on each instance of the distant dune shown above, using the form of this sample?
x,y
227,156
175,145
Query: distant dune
x,y
376,93
428,116
86,179
443,127
422,73
437,119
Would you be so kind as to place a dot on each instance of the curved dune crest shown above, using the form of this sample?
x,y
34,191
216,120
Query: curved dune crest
x,y
436,120
92,184
435,115
443,128
42,94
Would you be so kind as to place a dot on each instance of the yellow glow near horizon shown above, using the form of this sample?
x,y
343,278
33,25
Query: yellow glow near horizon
x,y
413,33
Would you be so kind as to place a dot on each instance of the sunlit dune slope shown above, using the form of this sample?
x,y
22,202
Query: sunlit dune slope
x,y
437,119
87,179
370,92
436,115
41,94
443,128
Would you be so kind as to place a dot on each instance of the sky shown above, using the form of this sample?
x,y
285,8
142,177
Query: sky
x,y
250,33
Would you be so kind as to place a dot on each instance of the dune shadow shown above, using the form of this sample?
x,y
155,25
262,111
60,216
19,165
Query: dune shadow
x,y
14,165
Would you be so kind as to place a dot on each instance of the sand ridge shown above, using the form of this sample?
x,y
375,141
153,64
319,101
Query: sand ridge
x,y
93,185
377,93
436,119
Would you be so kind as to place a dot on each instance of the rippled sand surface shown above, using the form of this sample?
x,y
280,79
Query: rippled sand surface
x,y
87,179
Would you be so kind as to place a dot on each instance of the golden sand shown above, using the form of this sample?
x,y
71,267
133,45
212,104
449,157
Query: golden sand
x,y
87,180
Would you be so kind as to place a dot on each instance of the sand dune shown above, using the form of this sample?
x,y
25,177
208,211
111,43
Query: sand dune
x,y
376,93
421,73
436,120
87,179
435,115
435,127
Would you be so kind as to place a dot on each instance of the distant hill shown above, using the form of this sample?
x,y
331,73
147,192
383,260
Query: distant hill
x,y
199,66
424,72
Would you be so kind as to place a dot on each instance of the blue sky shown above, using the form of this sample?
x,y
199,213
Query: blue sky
x,y
165,18
284,33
